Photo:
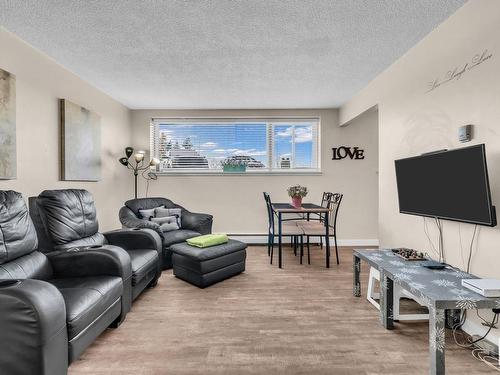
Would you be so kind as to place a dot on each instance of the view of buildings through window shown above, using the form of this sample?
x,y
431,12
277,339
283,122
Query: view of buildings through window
x,y
261,145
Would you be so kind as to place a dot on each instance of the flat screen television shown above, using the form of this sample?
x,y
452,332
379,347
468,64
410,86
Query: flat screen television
x,y
449,184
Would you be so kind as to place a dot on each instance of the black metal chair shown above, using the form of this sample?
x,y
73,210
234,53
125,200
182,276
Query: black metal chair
x,y
316,227
289,228
324,203
312,216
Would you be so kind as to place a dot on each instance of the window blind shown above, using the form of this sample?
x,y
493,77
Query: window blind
x,y
263,145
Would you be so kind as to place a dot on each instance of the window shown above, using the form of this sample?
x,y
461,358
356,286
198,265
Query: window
x,y
263,145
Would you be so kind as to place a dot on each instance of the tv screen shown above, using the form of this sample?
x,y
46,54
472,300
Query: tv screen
x,y
449,185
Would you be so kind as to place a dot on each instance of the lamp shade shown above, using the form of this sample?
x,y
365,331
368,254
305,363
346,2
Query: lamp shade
x,y
154,162
123,161
139,157
129,151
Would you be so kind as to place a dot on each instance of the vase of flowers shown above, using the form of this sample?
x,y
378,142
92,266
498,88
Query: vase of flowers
x,y
297,192
233,165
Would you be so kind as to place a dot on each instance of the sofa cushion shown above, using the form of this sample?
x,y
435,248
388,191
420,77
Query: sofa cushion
x,y
69,214
178,236
86,298
17,233
143,262
168,227
32,266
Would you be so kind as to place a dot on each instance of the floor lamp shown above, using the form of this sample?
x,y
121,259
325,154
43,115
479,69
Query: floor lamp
x,y
139,164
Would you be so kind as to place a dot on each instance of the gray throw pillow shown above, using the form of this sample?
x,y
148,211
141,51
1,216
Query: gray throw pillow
x,y
164,212
165,220
147,214
167,227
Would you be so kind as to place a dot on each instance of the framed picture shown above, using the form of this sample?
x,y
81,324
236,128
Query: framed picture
x,y
80,143
8,167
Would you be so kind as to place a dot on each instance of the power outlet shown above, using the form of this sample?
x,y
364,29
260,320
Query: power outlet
x,y
488,347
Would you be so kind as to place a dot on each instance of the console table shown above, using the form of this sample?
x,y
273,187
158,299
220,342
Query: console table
x,y
440,290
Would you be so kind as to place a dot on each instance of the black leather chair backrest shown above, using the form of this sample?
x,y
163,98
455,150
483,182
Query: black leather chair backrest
x,y
18,241
17,233
147,203
65,218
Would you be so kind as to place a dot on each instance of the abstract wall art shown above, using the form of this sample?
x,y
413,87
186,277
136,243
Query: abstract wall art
x,y
80,143
7,125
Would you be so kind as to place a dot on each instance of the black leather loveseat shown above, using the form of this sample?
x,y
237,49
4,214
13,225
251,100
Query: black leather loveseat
x,y
52,306
192,225
67,218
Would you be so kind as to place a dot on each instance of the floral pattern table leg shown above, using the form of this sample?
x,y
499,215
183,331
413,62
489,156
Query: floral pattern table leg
x,y
356,284
386,300
436,340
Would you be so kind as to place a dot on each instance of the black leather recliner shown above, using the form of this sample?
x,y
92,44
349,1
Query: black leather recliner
x,y
67,218
192,224
52,306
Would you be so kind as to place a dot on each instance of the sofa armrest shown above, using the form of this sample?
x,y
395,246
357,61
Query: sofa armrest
x,y
33,328
137,238
129,220
201,223
133,239
105,260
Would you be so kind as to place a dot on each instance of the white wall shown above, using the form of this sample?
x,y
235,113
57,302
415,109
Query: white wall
x,y
236,201
40,84
413,121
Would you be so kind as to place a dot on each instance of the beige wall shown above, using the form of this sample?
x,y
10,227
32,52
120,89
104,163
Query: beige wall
x,y
413,121
40,83
237,203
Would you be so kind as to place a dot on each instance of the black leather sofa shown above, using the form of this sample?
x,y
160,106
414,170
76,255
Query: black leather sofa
x,y
52,306
67,218
192,224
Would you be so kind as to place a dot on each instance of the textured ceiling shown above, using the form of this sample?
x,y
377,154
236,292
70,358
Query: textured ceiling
x,y
225,53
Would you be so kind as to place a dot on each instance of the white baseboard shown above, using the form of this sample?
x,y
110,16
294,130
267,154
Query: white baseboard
x,y
262,239
358,242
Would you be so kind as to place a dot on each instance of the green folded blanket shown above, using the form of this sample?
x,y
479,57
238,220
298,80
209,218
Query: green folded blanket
x,y
208,240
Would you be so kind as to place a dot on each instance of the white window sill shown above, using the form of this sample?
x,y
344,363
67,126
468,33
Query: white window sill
x,y
300,172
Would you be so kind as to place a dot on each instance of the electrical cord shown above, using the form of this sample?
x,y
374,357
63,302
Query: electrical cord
x,y
486,359
486,323
440,240
426,231
469,343
461,245
493,322
470,248
483,356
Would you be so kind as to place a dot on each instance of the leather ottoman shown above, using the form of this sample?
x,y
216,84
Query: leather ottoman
x,y
204,267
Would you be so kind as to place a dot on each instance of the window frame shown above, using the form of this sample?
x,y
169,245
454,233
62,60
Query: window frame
x,y
270,144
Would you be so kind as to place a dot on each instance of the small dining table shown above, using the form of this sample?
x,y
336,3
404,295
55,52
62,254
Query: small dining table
x,y
306,208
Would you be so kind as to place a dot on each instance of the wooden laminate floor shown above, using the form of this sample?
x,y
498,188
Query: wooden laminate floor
x,y
301,319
